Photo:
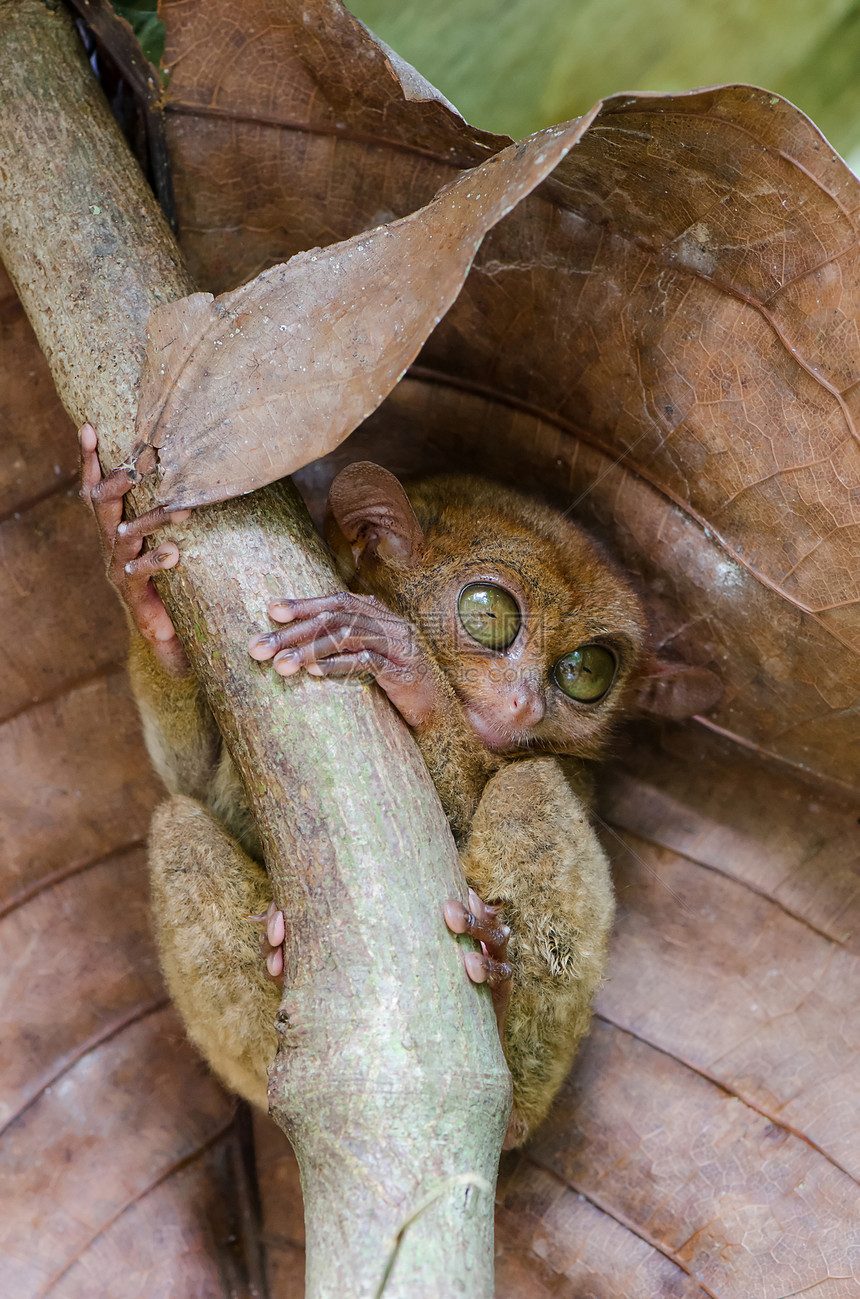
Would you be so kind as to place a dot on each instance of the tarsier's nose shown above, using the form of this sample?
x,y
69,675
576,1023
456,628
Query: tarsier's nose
x,y
524,707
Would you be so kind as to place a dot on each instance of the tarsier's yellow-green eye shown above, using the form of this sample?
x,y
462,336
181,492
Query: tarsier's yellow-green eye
x,y
586,673
489,614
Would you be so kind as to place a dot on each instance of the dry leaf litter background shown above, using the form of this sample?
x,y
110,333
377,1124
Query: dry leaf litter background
x,y
666,335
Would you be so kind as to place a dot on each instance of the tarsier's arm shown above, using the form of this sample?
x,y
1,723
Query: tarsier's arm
x,y
180,732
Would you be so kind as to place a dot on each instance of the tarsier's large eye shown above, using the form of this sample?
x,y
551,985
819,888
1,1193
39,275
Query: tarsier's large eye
x,y
586,673
490,614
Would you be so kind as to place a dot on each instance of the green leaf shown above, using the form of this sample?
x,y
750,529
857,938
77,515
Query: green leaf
x,y
146,25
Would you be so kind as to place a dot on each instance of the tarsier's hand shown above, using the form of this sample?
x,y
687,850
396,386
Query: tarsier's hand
x,y
128,569
344,635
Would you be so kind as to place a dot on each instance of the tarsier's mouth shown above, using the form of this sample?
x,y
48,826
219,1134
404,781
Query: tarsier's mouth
x,y
499,738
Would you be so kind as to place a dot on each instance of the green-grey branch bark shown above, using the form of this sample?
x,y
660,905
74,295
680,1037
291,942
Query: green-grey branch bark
x,y
390,1079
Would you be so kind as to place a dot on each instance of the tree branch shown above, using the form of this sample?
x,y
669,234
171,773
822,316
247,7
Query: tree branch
x,y
389,1078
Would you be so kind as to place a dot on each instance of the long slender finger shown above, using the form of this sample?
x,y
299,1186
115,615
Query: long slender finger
x,y
483,969
145,524
498,975
289,610
339,665
276,929
331,646
91,470
124,551
484,929
106,502
112,487
153,561
275,964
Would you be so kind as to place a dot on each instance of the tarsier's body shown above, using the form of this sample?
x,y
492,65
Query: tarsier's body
x,y
507,642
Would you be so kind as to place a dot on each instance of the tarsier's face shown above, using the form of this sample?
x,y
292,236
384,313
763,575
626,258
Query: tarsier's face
x,y
534,628
538,661
515,691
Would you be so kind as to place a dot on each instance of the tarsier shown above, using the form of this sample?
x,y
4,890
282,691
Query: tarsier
x,y
510,645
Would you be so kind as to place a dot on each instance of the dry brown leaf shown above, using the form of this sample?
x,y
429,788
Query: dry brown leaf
x,y
704,1144
721,372
35,452
246,388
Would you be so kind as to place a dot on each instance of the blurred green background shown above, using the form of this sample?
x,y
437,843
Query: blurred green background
x,y
514,66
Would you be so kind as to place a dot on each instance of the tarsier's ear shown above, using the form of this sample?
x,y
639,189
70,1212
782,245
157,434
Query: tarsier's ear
x,y
675,690
369,514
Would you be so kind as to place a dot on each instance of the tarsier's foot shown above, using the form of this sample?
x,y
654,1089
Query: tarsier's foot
x,y
272,937
129,569
490,965
343,635
479,921
482,922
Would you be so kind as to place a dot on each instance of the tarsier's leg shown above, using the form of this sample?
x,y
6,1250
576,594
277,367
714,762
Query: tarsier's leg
x,y
207,895
182,738
533,851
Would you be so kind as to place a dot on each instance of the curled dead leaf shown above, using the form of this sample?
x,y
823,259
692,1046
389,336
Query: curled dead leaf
x,y
241,390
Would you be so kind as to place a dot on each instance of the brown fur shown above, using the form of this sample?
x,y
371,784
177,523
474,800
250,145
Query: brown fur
x,y
204,888
532,849
518,809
